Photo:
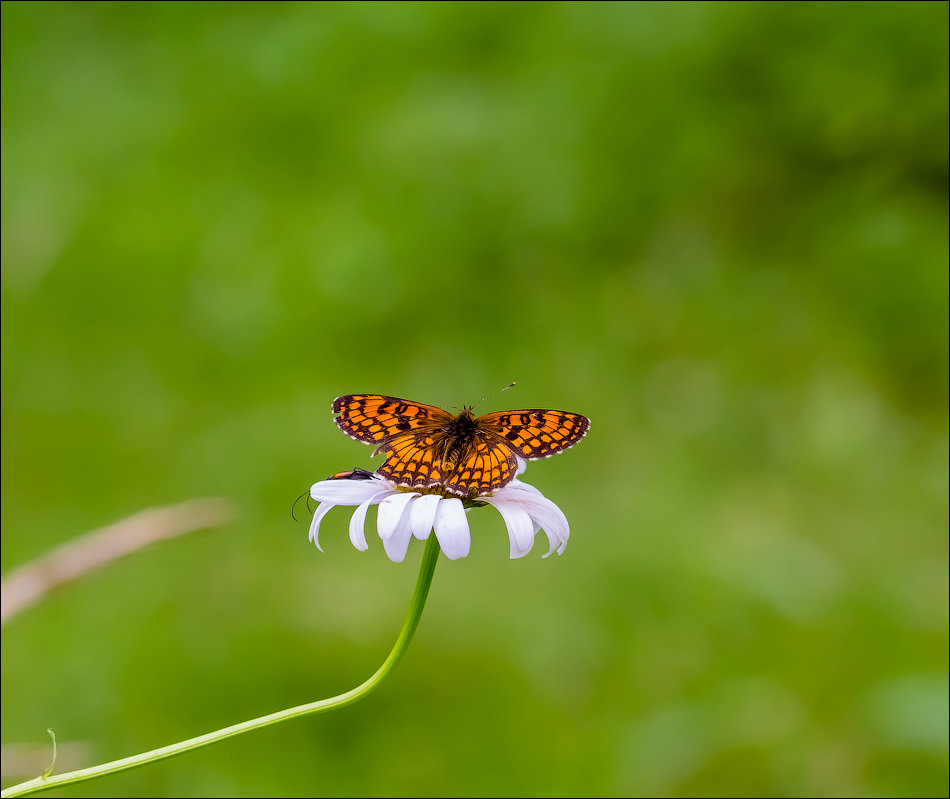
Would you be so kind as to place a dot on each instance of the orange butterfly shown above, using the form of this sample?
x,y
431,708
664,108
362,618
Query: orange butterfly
x,y
464,455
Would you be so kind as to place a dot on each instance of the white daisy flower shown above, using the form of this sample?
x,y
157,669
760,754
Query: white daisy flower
x,y
404,514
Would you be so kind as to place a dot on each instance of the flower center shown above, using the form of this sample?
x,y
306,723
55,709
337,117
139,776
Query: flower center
x,y
442,492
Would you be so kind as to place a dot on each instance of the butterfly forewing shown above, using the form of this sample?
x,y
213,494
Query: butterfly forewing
x,y
537,433
376,418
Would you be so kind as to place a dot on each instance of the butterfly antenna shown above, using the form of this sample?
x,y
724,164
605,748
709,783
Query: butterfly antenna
x,y
510,385
293,507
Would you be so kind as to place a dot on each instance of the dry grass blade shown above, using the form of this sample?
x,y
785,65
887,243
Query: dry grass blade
x,y
28,584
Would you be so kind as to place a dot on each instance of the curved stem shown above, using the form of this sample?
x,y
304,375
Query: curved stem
x,y
429,559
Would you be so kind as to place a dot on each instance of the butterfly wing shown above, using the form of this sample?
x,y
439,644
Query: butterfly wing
x,y
416,459
486,465
378,419
536,433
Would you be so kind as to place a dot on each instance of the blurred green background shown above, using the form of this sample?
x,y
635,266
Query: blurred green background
x,y
719,230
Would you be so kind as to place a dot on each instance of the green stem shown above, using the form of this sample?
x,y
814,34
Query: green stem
x,y
429,559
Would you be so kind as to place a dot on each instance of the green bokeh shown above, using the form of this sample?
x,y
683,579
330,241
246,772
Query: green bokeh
x,y
719,230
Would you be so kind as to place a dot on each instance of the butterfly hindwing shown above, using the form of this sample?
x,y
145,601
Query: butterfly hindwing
x,y
412,460
487,466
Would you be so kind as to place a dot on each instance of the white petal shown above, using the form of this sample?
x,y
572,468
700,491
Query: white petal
x,y
552,520
358,522
358,519
392,521
390,512
521,528
517,484
451,528
318,515
347,492
422,515
544,513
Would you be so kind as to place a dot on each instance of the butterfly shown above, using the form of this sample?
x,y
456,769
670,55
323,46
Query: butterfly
x,y
463,455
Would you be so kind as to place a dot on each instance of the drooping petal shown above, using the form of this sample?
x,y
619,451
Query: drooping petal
x,y
392,521
550,518
345,492
422,515
358,520
451,528
397,544
390,512
516,483
318,515
544,513
521,528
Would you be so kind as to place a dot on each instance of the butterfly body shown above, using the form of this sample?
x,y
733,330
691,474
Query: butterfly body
x,y
431,450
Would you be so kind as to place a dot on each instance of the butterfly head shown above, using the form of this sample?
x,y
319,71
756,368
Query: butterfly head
x,y
464,425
